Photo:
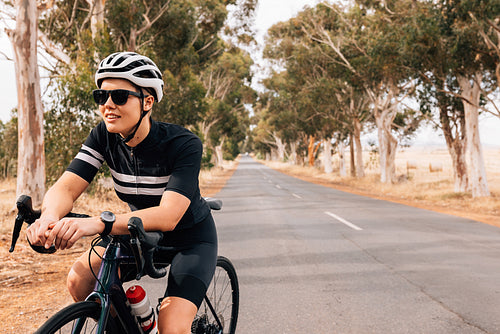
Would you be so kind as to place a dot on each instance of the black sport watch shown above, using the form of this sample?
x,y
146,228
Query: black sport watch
x,y
108,218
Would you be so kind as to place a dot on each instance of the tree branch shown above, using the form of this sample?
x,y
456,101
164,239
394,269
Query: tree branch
x,y
53,50
149,22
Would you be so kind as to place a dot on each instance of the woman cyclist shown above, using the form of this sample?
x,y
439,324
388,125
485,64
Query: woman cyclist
x,y
155,169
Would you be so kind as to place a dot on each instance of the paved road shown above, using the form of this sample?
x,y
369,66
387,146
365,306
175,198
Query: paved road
x,y
311,259
395,269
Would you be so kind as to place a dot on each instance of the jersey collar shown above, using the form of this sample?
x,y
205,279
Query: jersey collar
x,y
152,137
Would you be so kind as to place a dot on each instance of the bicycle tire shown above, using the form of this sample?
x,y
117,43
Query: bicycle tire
x,y
223,294
64,320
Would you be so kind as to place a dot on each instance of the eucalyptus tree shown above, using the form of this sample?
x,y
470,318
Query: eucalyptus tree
x,y
227,93
438,89
378,27
460,65
312,77
30,159
277,118
472,69
360,45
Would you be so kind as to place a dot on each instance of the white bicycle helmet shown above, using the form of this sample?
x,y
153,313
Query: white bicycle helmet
x,y
138,69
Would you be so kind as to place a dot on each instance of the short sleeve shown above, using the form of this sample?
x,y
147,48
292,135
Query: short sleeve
x,y
90,157
186,169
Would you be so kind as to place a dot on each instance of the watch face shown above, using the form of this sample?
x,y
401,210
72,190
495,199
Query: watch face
x,y
108,217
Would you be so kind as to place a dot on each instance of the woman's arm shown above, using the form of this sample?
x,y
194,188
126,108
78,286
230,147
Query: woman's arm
x,y
164,217
65,232
57,202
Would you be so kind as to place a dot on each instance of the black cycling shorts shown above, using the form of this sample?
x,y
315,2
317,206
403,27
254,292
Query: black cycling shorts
x,y
192,265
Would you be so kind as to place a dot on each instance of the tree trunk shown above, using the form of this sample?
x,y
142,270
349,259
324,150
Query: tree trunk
x,y
280,148
476,169
351,149
31,155
327,155
97,19
457,153
387,145
456,147
312,148
341,149
293,152
360,168
219,154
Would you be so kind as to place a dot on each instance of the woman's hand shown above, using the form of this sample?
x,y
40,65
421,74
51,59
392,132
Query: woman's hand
x,y
65,232
38,232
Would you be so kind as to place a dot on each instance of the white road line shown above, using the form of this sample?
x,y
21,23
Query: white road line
x,y
296,196
278,186
343,221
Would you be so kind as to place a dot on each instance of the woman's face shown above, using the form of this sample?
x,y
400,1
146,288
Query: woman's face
x,y
120,119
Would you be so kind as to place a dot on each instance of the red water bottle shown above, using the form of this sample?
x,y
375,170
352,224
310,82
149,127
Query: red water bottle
x,y
142,309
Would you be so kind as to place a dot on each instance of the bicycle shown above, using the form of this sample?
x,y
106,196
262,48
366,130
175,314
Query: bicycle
x,y
106,309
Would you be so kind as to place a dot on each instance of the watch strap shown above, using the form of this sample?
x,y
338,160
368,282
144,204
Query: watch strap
x,y
107,229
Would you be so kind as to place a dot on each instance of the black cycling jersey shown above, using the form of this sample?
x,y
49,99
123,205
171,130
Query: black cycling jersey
x,y
167,159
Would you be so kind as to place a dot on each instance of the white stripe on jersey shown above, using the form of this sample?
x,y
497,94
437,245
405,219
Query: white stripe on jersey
x,y
89,159
140,179
96,154
139,191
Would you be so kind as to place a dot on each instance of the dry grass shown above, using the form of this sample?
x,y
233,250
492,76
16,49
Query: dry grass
x,y
417,187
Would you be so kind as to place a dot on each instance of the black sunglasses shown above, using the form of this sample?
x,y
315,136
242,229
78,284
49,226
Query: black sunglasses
x,y
119,96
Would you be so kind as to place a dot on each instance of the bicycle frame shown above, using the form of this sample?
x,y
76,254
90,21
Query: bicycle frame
x,y
115,313
108,291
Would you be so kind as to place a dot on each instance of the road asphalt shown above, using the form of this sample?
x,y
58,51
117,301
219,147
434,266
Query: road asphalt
x,y
312,259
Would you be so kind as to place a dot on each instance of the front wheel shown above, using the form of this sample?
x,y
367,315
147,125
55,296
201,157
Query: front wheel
x,y
80,317
219,311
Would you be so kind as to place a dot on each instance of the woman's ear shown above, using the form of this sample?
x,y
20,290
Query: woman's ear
x,y
148,102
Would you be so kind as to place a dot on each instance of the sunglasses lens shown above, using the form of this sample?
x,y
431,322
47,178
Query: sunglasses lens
x,y
100,96
119,96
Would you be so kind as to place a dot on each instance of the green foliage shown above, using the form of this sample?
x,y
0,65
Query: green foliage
x,y
8,147
206,159
183,102
68,122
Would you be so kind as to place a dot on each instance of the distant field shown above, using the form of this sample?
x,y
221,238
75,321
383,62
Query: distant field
x,y
424,157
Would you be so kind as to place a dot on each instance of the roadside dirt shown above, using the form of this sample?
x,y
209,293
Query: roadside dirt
x,y
33,286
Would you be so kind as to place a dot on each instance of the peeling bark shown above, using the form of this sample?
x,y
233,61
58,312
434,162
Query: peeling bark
x,y
471,91
360,168
341,148
31,157
384,114
293,152
327,156
312,149
219,159
455,141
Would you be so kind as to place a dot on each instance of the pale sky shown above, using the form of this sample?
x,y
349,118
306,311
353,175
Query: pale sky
x,y
268,13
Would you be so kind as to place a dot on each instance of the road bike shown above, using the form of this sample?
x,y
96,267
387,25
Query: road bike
x,y
107,310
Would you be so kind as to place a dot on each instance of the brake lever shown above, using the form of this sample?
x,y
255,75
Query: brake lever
x,y
28,215
143,246
15,233
136,245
